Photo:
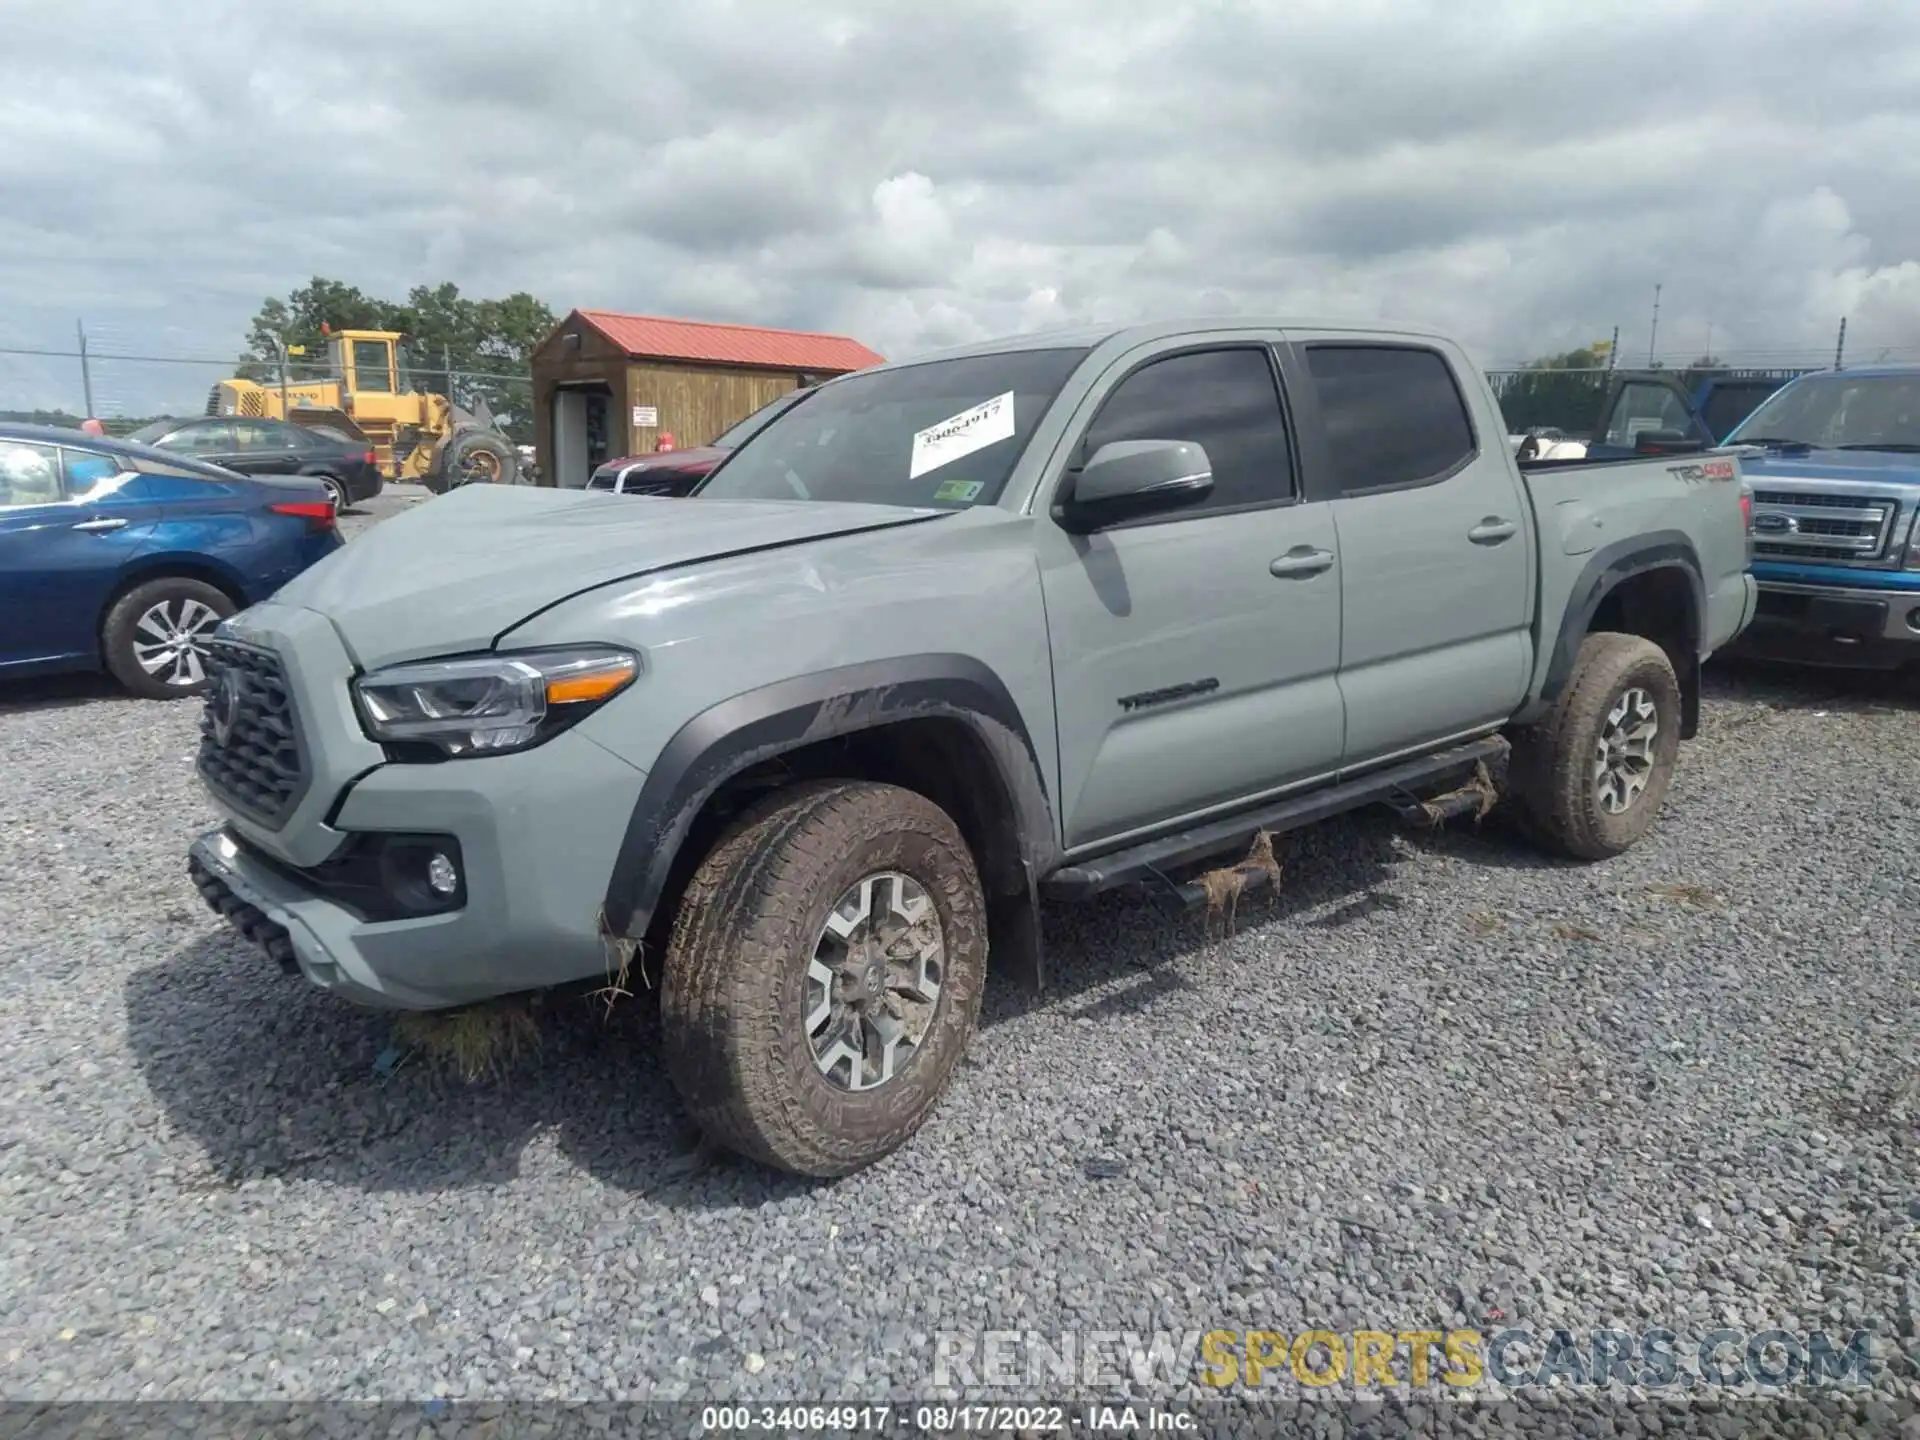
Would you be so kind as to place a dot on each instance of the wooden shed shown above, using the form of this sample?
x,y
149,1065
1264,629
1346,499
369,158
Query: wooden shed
x,y
607,385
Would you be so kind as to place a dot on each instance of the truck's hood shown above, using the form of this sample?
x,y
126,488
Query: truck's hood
x,y
1868,467
455,572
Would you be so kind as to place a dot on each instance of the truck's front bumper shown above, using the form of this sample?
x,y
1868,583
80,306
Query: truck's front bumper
x,y
535,835
1822,625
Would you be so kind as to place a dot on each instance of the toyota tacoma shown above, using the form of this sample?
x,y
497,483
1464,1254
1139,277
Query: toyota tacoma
x,y
1039,617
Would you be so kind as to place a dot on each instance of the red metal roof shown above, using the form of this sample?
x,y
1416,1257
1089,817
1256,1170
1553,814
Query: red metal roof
x,y
663,339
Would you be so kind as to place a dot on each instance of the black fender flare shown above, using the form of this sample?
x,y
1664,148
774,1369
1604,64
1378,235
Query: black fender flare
x,y
757,725
1606,569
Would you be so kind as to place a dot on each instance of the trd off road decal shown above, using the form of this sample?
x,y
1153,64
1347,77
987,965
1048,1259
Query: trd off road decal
x,y
1706,470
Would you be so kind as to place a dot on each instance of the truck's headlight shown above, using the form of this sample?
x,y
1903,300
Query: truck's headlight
x,y
486,704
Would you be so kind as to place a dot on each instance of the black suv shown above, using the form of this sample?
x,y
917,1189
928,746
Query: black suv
x,y
347,467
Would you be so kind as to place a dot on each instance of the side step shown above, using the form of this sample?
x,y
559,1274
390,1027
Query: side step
x,y
1397,786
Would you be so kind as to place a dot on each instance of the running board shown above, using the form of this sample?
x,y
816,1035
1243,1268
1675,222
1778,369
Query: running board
x,y
1396,786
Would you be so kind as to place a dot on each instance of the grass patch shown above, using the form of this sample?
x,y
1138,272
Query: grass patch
x,y
475,1041
1225,886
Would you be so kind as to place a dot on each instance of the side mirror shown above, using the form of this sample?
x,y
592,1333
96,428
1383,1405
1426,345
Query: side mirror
x,y
1130,478
1667,442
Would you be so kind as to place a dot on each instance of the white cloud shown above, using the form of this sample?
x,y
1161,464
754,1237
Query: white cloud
x,y
1523,174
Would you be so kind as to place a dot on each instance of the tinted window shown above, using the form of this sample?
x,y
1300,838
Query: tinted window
x,y
29,474
265,435
601,481
1226,401
1646,407
86,470
212,438
1730,402
1392,416
150,433
944,434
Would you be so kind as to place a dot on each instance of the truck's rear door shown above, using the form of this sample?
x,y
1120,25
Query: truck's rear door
x,y
1436,585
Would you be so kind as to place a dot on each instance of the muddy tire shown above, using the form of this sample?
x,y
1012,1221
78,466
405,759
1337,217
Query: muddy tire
x,y
795,1012
1589,779
474,458
153,639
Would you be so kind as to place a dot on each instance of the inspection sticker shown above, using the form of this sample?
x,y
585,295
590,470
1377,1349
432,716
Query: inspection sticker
x,y
985,424
958,490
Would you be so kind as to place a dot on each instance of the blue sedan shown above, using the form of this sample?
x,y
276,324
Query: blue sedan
x,y
122,557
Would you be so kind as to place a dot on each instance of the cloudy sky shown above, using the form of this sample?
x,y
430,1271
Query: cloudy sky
x,y
915,174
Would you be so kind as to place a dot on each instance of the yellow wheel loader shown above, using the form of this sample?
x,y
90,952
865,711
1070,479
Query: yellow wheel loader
x,y
369,396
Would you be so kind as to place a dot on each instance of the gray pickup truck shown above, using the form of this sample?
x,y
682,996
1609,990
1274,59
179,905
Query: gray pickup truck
x,y
1040,617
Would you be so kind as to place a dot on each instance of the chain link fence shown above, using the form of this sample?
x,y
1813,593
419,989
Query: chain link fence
x,y
1570,400
127,391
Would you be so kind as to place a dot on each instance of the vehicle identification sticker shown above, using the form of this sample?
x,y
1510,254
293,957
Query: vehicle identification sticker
x,y
952,439
958,490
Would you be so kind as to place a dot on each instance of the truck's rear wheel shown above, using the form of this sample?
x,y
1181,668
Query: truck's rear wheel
x,y
1590,778
824,976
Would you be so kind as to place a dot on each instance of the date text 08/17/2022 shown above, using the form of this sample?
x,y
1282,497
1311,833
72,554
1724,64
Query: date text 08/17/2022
x,y
945,1419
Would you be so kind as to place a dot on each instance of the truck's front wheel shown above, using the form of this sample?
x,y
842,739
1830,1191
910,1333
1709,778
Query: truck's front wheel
x,y
824,976
1589,779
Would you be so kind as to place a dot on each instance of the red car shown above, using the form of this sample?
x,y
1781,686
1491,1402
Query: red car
x,y
678,471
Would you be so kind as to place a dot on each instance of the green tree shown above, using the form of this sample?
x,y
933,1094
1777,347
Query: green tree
x,y
1563,391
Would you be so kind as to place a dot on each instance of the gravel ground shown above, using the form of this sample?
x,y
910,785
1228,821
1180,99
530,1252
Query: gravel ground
x,y
1440,1083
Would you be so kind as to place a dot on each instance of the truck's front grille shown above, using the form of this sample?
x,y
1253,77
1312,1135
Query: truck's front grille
x,y
1838,527
251,752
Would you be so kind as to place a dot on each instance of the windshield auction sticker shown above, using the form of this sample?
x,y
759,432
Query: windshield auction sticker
x,y
985,424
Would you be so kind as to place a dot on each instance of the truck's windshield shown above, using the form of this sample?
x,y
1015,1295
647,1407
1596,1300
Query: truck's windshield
x,y
1839,412
944,434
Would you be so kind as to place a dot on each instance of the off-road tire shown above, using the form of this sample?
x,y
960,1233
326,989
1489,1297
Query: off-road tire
x,y
117,633
1550,781
733,985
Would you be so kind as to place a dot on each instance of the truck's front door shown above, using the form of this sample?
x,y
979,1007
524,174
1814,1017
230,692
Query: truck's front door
x,y
1436,549
1195,652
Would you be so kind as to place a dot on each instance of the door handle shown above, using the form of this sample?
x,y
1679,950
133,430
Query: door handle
x,y
96,526
1301,561
1491,531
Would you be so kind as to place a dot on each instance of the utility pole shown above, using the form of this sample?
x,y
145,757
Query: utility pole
x,y
1654,333
86,370
1840,345
286,411
1613,350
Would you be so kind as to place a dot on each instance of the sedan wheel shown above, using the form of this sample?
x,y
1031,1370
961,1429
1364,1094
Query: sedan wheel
x,y
168,641
155,638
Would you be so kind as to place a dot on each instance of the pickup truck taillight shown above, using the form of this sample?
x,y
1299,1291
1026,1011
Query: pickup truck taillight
x,y
317,513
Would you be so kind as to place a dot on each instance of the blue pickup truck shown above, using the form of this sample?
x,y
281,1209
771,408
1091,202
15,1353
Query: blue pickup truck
x,y
1836,488
1832,461
1642,402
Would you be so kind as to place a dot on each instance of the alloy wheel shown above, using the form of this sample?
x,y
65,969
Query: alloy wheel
x,y
873,983
168,641
1623,758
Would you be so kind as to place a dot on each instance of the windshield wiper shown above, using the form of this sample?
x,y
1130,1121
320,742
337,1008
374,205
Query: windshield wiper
x,y
1777,442
1896,447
